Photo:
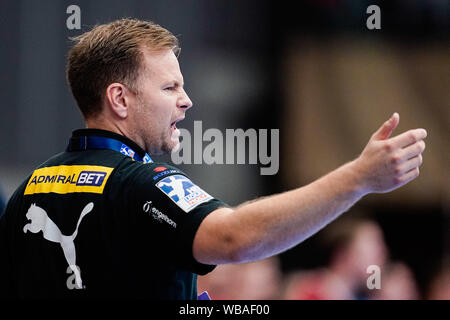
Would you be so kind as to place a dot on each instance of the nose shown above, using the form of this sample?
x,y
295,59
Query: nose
x,y
184,102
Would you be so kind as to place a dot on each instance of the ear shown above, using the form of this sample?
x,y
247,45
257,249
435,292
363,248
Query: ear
x,y
118,98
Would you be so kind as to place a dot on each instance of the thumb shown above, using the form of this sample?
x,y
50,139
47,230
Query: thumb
x,y
387,128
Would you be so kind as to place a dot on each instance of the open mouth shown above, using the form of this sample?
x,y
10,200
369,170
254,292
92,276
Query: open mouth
x,y
173,125
174,132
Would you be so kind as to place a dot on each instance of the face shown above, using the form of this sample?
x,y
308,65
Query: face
x,y
160,103
368,248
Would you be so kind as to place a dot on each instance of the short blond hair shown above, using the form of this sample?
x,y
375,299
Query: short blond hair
x,y
112,53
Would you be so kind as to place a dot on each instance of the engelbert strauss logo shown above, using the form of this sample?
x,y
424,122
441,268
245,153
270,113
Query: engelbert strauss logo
x,y
183,192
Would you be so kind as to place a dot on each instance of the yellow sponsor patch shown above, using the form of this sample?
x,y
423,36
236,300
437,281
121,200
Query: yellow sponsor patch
x,y
68,179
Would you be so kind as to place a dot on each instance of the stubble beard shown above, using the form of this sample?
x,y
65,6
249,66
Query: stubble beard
x,y
165,145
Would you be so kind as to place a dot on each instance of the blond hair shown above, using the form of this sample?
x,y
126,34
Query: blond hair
x,y
112,53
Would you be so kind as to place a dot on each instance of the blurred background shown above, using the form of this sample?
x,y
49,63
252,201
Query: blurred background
x,y
313,71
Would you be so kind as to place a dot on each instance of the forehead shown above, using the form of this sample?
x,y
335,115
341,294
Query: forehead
x,y
161,65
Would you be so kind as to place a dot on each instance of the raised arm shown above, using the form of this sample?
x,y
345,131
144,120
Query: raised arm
x,y
271,225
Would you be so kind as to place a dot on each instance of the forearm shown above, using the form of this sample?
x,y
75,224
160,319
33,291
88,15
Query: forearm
x,y
270,225
274,224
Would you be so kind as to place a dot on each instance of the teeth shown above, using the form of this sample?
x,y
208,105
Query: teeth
x,y
175,122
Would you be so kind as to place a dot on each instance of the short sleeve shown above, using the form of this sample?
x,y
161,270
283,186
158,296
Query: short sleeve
x,y
170,208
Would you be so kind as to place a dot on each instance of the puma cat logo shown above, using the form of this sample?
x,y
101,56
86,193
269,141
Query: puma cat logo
x,y
50,231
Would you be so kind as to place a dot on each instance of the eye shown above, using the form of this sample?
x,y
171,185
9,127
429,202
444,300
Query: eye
x,y
170,88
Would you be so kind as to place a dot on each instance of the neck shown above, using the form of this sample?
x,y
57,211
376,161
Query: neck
x,y
101,123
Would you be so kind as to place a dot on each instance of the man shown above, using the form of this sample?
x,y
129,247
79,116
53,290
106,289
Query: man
x,y
103,220
2,202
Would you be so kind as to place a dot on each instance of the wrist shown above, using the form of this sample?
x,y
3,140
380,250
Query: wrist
x,y
356,178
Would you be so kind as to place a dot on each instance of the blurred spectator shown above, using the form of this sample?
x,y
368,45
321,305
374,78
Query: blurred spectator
x,y
260,280
397,283
440,285
354,244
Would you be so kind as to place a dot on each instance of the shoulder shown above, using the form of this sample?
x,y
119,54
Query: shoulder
x,y
131,176
151,172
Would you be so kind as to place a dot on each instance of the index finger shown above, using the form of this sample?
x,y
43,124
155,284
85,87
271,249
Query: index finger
x,y
409,137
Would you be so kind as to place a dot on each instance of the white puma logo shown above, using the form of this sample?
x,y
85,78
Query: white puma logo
x,y
41,222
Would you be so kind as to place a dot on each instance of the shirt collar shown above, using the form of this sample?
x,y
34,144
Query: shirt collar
x,y
109,134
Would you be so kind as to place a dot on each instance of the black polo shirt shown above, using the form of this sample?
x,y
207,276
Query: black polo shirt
x,y
96,223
